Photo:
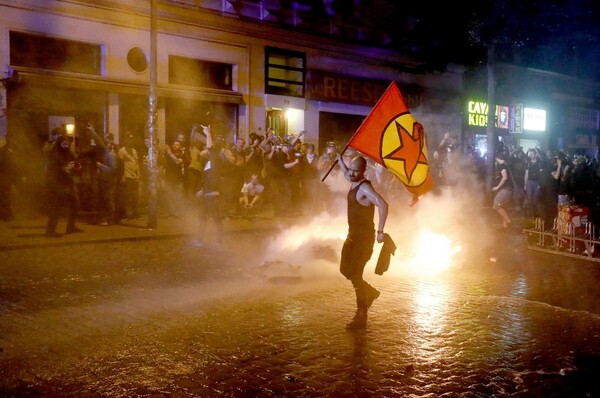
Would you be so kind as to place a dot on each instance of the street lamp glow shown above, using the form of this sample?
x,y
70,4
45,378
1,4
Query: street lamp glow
x,y
70,128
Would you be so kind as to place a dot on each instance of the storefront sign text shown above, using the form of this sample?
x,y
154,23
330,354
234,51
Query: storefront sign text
x,y
323,86
478,114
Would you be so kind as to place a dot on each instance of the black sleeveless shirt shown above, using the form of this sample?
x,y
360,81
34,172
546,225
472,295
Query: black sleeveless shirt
x,y
360,218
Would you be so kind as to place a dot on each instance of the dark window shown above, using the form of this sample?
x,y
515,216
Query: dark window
x,y
285,72
337,127
182,113
198,73
51,53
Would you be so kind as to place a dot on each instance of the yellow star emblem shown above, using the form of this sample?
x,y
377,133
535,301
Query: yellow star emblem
x,y
404,150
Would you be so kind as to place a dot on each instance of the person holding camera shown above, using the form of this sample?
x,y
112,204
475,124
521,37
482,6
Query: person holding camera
x,y
325,164
62,166
271,136
55,134
327,159
254,156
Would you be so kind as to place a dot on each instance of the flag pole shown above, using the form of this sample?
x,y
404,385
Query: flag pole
x,y
341,153
334,163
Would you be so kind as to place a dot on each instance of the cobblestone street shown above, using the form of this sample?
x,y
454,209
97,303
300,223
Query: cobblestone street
x,y
162,318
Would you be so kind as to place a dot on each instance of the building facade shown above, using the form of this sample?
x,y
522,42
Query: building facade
x,y
237,68
535,108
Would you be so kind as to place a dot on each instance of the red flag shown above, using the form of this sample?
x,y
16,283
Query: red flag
x,y
392,137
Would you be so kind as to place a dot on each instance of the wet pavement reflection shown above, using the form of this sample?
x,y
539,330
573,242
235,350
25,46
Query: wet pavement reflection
x,y
161,318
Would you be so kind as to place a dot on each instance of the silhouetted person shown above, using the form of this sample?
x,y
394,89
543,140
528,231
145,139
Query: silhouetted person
x,y
209,192
62,165
107,180
550,183
503,190
130,180
7,176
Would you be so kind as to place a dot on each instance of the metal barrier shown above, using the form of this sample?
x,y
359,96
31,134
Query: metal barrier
x,y
564,239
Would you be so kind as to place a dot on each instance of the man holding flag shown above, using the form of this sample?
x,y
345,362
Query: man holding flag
x,y
358,247
392,137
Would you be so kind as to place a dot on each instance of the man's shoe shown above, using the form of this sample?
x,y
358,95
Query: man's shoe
x,y
371,295
73,230
360,320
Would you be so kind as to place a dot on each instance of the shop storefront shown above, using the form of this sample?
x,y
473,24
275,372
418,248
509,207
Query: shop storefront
x,y
515,125
88,64
39,101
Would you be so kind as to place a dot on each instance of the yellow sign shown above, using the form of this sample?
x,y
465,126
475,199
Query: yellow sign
x,y
478,114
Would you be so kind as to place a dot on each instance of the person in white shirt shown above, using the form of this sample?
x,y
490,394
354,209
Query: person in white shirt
x,y
250,199
130,179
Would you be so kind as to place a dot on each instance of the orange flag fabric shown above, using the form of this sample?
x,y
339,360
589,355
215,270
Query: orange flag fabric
x,y
392,137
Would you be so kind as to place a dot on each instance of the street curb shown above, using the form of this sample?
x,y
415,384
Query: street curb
x,y
56,242
153,235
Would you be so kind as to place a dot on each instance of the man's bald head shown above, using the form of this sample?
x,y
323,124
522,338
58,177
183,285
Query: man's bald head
x,y
357,168
359,163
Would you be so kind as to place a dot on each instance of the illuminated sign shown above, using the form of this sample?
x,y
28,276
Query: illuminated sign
x,y
534,119
478,114
515,118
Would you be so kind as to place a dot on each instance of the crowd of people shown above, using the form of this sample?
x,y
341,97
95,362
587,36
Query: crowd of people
x,y
529,183
279,173
545,180
196,170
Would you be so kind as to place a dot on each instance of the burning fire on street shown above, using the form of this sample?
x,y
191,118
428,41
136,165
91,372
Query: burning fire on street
x,y
431,238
